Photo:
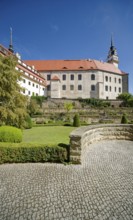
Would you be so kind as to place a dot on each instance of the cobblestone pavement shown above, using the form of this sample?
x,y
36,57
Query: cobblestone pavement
x,y
99,189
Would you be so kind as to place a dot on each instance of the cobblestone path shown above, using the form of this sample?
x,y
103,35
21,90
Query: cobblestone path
x,y
99,189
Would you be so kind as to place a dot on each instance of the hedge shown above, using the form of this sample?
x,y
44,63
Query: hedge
x,y
29,152
10,134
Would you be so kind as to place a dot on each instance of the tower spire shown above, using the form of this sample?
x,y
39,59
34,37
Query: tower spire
x,y
112,54
11,44
112,40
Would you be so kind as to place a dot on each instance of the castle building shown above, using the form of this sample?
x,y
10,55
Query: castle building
x,y
73,79
32,82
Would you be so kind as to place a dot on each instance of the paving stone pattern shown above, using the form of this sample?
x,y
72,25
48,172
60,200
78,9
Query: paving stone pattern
x,y
99,189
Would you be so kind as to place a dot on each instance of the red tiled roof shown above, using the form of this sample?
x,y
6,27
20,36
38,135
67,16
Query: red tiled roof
x,y
64,65
55,78
107,67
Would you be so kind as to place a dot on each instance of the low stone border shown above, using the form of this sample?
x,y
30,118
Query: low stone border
x,y
84,136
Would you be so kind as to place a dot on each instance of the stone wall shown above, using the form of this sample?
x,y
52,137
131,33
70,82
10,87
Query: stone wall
x,y
84,136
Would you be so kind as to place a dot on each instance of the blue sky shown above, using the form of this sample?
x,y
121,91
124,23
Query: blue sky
x,y
69,29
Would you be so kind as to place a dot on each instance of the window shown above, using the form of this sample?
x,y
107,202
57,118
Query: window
x,y
33,84
32,93
36,94
115,89
71,87
106,78
79,77
110,88
64,77
115,80
24,91
119,80
28,92
110,79
119,89
48,77
79,87
48,88
106,88
23,80
92,87
92,77
29,83
72,77
36,86
63,87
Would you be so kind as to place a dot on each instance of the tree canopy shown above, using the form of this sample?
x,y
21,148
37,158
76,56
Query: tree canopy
x,y
127,99
13,104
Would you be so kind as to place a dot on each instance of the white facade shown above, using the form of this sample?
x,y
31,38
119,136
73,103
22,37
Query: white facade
x,y
32,83
84,84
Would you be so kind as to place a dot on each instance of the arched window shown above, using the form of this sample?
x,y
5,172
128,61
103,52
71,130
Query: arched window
x,y
92,87
106,78
79,87
120,90
92,77
72,77
63,87
119,80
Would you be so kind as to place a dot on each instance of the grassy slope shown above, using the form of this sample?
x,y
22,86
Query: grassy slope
x,y
49,134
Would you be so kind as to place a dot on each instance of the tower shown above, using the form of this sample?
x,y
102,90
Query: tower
x,y
11,45
112,55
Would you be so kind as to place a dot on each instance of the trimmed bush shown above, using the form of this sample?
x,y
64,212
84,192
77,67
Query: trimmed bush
x,y
29,152
10,134
76,122
124,119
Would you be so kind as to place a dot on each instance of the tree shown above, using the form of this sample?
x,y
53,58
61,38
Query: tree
x,y
124,119
68,106
76,121
39,99
13,105
33,107
127,99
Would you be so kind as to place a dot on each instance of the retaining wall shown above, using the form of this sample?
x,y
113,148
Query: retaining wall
x,y
84,136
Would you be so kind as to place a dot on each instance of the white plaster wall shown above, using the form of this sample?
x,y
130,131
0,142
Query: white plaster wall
x,y
30,90
86,82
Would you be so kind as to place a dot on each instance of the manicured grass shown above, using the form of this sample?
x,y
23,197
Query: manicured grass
x,y
48,134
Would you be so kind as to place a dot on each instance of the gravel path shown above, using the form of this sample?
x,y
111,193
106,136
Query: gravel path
x,y
99,189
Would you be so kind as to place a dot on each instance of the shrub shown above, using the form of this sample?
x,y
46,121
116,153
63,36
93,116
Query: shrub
x,y
28,122
124,119
29,152
10,134
76,121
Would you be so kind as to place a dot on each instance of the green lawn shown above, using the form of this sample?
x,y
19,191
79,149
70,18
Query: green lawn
x,y
48,134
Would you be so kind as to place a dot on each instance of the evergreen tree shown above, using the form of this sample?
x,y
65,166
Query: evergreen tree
x,y
12,103
124,119
76,121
